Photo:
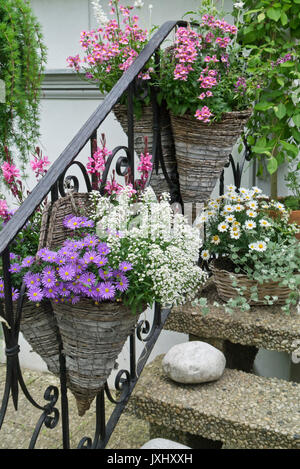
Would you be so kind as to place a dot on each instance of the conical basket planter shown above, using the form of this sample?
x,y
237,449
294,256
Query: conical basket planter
x,y
39,328
92,336
202,150
144,128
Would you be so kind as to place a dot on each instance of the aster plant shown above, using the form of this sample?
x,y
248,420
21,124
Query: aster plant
x,y
205,71
247,233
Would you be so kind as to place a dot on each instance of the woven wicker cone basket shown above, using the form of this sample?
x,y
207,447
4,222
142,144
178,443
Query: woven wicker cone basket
x,y
202,150
144,128
226,290
53,233
39,328
92,336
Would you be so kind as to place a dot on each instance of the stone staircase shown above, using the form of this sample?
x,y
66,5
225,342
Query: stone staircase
x,y
240,410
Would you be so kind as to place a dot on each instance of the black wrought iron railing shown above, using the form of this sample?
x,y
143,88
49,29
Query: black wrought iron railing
x,y
54,183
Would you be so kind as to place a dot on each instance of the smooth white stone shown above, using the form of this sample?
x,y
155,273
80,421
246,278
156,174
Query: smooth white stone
x,y
194,362
161,443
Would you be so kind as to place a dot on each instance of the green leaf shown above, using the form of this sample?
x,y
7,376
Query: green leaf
x,y
296,120
280,81
290,147
272,165
261,17
284,19
263,106
280,111
274,14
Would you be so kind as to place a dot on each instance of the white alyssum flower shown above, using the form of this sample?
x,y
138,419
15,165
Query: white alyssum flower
x,y
138,4
100,16
238,5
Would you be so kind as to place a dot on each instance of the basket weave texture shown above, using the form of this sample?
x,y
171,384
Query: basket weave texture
x,y
53,233
223,281
39,328
144,128
92,336
202,151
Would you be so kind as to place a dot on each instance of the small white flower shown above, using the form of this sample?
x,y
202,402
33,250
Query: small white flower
x,y
230,218
205,254
239,208
239,5
260,246
228,209
150,6
251,213
250,224
235,234
264,223
252,246
138,4
223,226
253,204
215,239
99,13
231,188
256,190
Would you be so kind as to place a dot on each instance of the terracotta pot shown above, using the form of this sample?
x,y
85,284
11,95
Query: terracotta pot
x,y
295,218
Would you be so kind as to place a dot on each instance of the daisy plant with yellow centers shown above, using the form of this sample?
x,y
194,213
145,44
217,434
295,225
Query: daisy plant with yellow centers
x,y
250,234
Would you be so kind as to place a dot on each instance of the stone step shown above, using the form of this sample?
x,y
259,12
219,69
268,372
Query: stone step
x,y
240,409
263,326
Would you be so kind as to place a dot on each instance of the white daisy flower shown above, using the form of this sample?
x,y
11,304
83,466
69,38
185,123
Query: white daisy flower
x,y
239,208
251,213
235,234
264,223
205,254
222,226
228,209
250,224
215,239
230,218
244,191
252,246
253,204
231,188
260,246
256,190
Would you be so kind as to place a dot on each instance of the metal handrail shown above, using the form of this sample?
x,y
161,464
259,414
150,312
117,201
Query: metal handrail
x,y
41,190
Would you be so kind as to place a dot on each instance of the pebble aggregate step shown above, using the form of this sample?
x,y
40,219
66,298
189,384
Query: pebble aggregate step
x,y
263,326
240,409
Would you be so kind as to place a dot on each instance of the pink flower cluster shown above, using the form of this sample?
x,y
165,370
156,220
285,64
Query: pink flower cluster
x,y
113,47
194,49
39,163
203,114
145,167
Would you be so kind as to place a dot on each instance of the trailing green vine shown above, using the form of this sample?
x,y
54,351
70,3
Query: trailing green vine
x,y
271,32
22,60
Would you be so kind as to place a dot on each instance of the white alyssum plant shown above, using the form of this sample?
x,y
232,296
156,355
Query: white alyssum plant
x,y
161,246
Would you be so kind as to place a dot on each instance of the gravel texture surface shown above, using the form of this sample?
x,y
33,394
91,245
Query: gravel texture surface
x,y
240,409
263,326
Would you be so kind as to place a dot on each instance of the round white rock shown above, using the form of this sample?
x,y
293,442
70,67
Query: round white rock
x,y
194,362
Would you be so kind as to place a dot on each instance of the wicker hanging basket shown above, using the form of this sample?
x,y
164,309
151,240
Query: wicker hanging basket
x,y
202,150
224,284
92,336
53,233
144,128
39,328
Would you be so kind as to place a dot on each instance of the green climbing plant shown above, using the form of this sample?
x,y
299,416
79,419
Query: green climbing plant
x,y
271,31
22,61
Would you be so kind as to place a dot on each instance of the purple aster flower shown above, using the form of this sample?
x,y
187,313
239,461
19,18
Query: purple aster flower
x,y
86,223
102,261
48,277
72,223
122,285
75,299
63,290
15,268
103,249
67,272
32,280
50,293
35,294
96,292
12,256
47,255
15,294
90,241
107,290
72,246
88,279
28,261
91,256
105,273
125,266
1,284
